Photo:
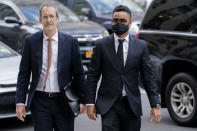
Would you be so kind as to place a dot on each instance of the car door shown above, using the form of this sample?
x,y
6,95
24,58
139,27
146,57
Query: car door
x,y
10,32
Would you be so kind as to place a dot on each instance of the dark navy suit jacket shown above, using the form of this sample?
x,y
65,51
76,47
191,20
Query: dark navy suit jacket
x,y
104,62
69,66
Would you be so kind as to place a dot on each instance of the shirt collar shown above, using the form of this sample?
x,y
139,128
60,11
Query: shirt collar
x,y
54,37
116,38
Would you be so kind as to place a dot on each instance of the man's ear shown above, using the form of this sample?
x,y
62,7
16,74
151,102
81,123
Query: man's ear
x,y
40,20
58,19
130,22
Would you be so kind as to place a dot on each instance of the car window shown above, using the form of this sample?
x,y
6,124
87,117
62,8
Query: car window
x,y
31,12
6,52
181,17
78,5
107,6
194,29
6,11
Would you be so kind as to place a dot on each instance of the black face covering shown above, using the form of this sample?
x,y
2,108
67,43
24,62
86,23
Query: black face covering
x,y
120,29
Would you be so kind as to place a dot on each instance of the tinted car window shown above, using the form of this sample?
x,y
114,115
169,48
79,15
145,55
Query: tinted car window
x,y
5,52
179,17
31,12
78,5
6,11
194,29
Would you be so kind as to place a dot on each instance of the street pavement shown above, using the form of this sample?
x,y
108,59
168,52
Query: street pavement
x,y
82,123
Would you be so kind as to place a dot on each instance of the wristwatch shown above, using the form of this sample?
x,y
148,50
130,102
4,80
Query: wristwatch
x,y
156,106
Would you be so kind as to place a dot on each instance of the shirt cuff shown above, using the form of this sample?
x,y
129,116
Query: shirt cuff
x,y
90,104
20,104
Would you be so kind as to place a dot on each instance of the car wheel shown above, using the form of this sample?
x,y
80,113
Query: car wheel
x,y
181,99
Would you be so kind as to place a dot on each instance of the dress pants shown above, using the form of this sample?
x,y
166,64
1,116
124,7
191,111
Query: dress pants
x,y
120,117
51,114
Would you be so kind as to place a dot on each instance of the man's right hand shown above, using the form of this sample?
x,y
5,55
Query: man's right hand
x,y
91,111
20,112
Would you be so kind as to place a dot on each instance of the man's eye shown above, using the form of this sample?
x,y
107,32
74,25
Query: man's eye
x,y
123,20
45,17
51,16
115,20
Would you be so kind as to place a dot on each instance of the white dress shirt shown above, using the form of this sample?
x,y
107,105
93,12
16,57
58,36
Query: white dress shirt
x,y
52,80
125,51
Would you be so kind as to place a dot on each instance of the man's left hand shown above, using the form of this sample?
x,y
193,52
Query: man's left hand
x,y
155,114
82,108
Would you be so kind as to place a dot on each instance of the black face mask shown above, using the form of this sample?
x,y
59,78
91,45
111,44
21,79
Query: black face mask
x,y
120,29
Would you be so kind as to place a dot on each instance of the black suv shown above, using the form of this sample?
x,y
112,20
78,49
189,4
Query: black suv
x,y
170,29
19,18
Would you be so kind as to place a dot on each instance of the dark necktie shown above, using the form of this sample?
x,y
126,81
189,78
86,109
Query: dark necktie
x,y
49,61
120,54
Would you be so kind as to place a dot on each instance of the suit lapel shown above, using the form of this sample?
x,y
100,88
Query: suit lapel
x,y
112,51
39,49
130,50
60,51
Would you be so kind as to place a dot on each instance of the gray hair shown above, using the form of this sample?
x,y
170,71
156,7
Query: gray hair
x,y
48,4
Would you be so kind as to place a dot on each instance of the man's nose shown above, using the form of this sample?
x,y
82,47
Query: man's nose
x,y
49,18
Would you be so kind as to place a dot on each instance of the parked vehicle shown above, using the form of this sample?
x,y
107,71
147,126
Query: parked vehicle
x,y
9,66
141,3
170,29
144,4
19,18
100,11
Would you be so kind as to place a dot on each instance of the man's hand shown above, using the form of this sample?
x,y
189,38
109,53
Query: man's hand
x,y
20,112
155,114
91,111
82,108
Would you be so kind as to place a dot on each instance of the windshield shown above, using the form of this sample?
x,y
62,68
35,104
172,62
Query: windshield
x,y
31,12
107,6
5,51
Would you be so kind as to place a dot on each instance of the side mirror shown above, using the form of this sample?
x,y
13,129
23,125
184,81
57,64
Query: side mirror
x,y
86,12
11,19
83,18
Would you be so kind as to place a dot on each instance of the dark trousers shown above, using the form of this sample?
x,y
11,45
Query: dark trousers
x,y
120,118
50,114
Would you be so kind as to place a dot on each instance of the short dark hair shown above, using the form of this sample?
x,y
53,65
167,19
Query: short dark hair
x,y
122,8
48,4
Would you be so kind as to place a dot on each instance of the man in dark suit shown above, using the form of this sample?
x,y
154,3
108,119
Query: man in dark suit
x,y
52,59
119,58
